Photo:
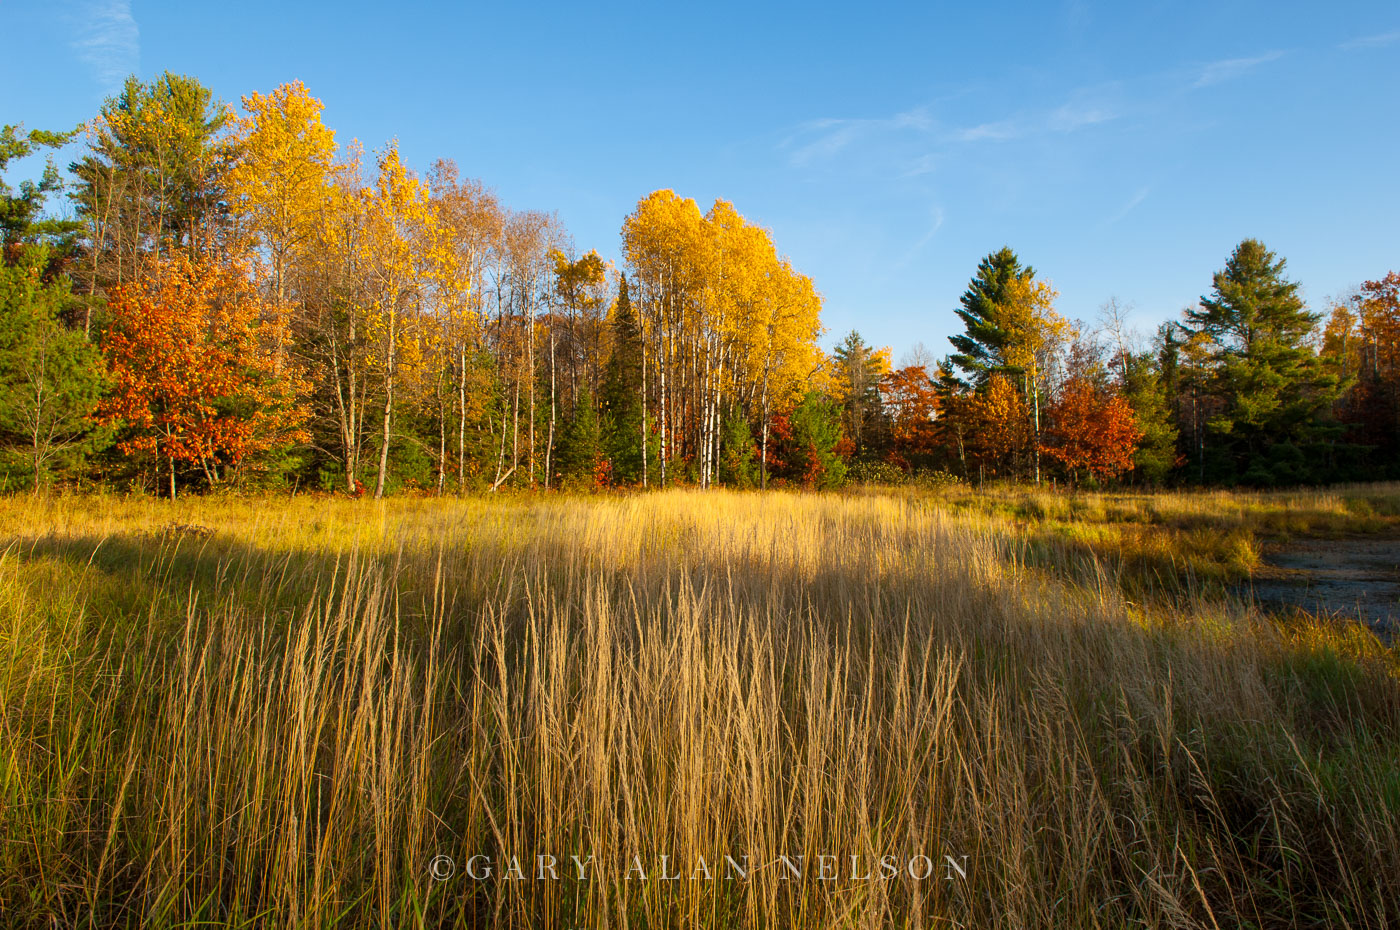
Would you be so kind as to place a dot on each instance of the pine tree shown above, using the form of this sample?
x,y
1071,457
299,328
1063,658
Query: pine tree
x,y
1145,391
737,465
1273,389
50,377
20,211
982,348
622,393
581,446
858,369
814,430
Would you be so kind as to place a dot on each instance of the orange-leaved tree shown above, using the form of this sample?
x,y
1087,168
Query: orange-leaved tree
x,y
911,400
1092,430
193,370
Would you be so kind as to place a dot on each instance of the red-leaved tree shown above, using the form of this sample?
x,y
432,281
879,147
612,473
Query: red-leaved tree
x,y
1091,430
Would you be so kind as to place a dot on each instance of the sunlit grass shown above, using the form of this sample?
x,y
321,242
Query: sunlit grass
x,y
222,712
1167,543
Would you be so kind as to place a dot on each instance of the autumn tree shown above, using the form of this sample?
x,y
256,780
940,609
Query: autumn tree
x,y
1035,332
406,257
279,182
1091,430
1141,376
191,353
857,369
998,427
910,400
723,320
471,220
1011,331
1361,346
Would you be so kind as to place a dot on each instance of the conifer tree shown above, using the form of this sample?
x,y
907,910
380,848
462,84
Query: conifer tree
x,y
981,349
622,393
858,369
737,465
50,377
1274,391
581,446
21,210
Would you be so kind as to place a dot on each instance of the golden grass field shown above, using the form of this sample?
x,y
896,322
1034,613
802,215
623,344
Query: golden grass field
x,y
280,712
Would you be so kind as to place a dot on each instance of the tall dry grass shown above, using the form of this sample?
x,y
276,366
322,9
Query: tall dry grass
x,y
283,722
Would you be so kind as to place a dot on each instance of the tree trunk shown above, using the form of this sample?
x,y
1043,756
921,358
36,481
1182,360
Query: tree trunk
x,y
462,420
392,358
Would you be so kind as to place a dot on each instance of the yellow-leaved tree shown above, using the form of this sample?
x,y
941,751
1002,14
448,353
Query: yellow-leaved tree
x,y
1035,333
280,184
728,327
410,261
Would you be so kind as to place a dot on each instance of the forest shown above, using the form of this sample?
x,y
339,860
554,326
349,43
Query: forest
x,y
214,297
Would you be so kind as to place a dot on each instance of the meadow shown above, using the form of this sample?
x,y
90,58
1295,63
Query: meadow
x,y
315,711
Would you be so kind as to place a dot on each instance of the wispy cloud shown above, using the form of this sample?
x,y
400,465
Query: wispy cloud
x,y
1375,41
1074,116
1219,71
1128,207
107,40
818,141
823,138
994,132
935,224
924,164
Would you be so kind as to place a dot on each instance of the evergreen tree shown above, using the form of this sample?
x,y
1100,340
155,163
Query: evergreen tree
x,y
981,350
858,370
581,446
50,377
20,210
153,179
622,393
1145,390
737,467
814,430
1273,390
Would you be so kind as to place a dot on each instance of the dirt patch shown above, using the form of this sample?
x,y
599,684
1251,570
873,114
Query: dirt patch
x,y
1348,577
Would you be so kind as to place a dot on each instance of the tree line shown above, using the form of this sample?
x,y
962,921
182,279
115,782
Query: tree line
x,y
1248,388
235,299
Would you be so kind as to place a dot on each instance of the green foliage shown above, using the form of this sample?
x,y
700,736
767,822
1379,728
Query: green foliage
x,y
858,373
153,177
580,449
981,349
815,426
738,467
50,377
1272,387
20,210
622,392
876,471
1145,391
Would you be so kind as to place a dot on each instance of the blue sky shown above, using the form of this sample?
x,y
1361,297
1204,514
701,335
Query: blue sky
x,y
1121,149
